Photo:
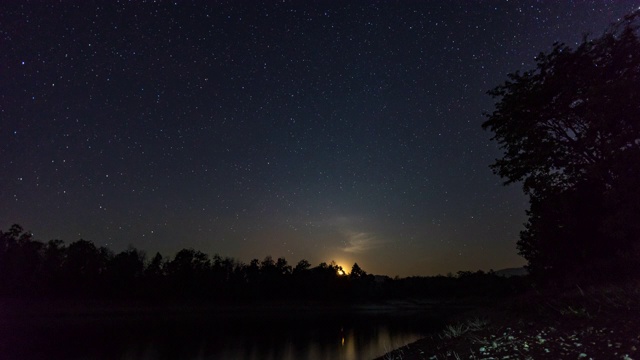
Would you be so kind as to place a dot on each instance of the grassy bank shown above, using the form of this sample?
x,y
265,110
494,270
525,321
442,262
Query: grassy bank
x,y
594,322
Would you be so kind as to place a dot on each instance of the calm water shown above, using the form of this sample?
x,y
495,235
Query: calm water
x,y
298,335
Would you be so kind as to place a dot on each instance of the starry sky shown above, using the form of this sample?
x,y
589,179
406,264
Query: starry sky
x,y
342,130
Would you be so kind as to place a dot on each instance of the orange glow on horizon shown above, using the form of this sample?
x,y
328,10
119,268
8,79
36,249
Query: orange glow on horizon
x,y
342,269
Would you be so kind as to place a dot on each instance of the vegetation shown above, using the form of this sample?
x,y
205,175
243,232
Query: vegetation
x,y
32,268
570,131
594,322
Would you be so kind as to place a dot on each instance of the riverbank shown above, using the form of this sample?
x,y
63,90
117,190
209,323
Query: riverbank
x,y
598,322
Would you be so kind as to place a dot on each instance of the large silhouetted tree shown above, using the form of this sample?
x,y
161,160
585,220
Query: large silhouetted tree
x,y
570,131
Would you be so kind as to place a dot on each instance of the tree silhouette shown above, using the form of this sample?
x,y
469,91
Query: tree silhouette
x,y
54,256
282,266
570,131
189,271
357,272
20,260
301,266
156,266
154,285
81,270
83,266
125,270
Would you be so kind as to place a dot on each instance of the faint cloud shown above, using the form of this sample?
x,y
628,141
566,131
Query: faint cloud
x,y
358,242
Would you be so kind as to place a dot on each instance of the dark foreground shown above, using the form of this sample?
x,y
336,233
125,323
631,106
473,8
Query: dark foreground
x,y
600,322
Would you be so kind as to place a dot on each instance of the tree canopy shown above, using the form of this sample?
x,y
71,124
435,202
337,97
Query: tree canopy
x,y
570,132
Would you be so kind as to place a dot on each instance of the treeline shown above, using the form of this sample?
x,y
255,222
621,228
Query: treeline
x,y
30,268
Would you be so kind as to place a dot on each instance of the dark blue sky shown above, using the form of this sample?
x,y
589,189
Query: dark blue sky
x,y
346,131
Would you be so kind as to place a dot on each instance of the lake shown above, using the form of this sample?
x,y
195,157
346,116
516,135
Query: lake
x,y
314,334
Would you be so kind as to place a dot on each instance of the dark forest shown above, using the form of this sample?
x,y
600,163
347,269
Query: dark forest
x,y
37,269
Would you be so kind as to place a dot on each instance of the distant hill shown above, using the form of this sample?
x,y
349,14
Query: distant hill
x,y
519,271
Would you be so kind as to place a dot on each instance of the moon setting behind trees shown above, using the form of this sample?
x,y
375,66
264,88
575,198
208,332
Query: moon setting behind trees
x,y
347,132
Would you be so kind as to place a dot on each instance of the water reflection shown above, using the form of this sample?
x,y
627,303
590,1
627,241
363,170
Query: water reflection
x,y
290,336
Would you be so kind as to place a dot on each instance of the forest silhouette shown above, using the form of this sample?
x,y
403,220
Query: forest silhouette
x,y
31,268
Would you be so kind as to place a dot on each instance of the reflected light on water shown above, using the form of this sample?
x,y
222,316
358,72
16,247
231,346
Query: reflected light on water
x,y
323,336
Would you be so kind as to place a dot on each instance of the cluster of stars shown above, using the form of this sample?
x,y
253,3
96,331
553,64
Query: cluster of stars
x,y
248,129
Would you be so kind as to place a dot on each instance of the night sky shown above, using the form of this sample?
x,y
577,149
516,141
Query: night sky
x,y
346,131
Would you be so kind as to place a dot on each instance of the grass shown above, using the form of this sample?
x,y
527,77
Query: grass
x,y
460,329
454,331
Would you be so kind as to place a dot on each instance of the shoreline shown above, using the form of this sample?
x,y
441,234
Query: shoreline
x,y
600,323
21,308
